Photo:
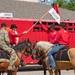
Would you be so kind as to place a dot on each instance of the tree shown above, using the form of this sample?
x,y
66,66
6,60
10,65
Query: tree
x,y
65,4
71,5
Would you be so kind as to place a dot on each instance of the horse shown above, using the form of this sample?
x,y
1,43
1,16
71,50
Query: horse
x,y
40,51
20,48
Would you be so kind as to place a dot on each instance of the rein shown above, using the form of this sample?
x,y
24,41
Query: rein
x,y
44,54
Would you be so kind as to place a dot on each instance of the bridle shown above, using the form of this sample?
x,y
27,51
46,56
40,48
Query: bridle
x,y
43,54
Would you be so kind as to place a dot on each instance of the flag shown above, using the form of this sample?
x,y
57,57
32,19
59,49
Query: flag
x,y
55,13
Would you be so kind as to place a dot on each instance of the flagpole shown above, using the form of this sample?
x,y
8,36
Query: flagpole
x,y
37,22
52,11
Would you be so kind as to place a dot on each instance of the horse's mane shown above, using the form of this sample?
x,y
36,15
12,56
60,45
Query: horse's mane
x,y
44,44
20,46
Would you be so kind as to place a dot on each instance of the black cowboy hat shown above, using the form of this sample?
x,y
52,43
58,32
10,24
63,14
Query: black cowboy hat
x,y
62,24
3,25
52,26
13,26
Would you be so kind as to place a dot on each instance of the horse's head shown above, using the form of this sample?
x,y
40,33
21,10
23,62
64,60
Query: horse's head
x,y
36,52
40,49
28,47
24,47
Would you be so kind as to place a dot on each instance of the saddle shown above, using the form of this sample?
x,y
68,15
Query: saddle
x,y
65,47
4,57
62,54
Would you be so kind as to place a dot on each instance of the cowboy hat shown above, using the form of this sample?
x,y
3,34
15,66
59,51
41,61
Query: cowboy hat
x,y
3,25
13,26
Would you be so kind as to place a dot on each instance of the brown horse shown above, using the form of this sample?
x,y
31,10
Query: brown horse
x,y
41,50
20,49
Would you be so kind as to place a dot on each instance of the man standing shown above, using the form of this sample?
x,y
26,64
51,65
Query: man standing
x,y
4,44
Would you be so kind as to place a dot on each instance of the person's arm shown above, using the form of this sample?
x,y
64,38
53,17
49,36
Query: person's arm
x,y
17,35
44,28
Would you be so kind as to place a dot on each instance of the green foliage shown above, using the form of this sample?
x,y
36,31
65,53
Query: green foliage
x,y
71,5
66,5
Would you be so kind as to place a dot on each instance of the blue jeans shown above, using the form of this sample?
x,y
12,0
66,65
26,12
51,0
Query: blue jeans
x,y
56,48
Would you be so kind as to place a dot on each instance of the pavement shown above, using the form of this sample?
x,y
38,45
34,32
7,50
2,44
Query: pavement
x,y
63,72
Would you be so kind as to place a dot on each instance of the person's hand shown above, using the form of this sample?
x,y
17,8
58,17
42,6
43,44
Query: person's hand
x,y
40,22
24,32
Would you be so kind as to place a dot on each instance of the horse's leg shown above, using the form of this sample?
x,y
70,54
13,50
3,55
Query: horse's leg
x,y
56,71
0,73
74,71
59,71
44,71
46,65
9,73
14,73
50,72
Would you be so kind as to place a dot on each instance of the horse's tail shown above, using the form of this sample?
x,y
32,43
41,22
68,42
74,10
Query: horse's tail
x,y
71,55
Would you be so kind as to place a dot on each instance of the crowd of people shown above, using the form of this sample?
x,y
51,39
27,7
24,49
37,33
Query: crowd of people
x,y
8,39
